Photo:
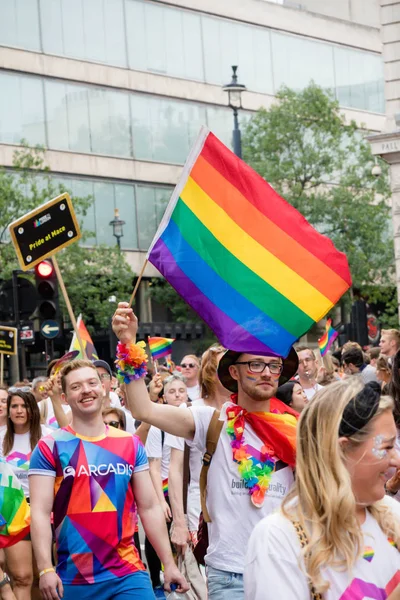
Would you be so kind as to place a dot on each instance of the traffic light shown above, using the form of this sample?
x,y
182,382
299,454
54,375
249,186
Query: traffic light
x,y
47,291
359,322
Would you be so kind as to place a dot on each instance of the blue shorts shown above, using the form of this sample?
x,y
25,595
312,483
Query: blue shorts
x,y
135,587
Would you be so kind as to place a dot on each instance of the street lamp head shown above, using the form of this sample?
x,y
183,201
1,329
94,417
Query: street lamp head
x,y
234,90
117,225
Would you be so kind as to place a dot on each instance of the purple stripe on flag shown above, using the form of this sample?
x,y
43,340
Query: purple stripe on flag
x,y
229,333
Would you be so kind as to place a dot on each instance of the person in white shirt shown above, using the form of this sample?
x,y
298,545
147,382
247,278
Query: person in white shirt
x,y
158,453
307,372
190,366
337,535
239,494
22,433
215,395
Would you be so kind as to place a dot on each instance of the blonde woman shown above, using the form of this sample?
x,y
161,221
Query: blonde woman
x,y
337,536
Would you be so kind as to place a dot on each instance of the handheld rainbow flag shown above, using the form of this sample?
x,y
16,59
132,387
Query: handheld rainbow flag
x,y
14,509
243,258
160,347
326,341
91,351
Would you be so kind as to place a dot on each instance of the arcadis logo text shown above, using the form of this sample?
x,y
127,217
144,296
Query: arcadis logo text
x,y
98,470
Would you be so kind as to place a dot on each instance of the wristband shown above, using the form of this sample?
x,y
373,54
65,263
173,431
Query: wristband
x,y
49,570
131,362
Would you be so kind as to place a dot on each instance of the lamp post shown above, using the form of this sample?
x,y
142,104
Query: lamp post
x,y
235,90
117,225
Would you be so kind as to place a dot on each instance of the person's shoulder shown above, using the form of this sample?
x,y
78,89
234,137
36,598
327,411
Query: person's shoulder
x,y
275,533
113,432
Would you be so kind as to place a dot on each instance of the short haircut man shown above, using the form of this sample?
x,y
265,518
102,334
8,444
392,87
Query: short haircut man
x,y
307,372
91,477
353,360
389,342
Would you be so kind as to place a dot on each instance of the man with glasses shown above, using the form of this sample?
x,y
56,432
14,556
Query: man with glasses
x,y
256,439
308,369
190,366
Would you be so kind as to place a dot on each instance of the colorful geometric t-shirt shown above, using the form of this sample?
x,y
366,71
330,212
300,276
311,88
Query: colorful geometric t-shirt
x,y
94,507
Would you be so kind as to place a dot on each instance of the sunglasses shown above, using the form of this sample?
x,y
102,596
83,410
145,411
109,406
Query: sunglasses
x,y
188,365
12,390
115,424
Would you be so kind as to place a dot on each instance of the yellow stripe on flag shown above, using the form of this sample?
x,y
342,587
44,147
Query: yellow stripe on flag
x,y
253,255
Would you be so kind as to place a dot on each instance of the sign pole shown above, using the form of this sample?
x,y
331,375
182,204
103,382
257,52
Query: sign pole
x,y
137,283
1,368
68,303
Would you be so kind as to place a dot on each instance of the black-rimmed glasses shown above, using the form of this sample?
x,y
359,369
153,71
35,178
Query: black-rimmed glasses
x,y
257,366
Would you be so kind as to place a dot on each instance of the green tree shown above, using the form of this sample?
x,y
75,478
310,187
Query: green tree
x,y
91,275
322,165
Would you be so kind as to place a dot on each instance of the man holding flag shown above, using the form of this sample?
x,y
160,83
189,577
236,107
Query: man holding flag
x,y
252,469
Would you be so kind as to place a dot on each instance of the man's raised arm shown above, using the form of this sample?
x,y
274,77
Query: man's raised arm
x,y
168,418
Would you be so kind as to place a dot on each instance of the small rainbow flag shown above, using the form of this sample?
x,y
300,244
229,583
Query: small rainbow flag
x,y
160,347
14,510
243,258
326,341
90,350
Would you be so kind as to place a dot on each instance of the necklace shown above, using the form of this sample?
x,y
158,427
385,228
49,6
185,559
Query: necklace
x,y
255,468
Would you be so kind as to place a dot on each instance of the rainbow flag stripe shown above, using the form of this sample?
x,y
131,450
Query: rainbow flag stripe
x,y
165,487
326,341
160,347
244,259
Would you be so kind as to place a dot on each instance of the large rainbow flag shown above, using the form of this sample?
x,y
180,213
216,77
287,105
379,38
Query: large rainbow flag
x,y
243,258
90,350
326,341
160,347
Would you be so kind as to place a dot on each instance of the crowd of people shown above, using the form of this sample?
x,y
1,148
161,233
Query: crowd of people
x,y
280,475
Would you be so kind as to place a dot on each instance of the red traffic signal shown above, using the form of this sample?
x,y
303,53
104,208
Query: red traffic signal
x,y
44,269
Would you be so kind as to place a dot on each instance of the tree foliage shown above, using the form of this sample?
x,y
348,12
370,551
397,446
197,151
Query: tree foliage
x,y
91,275
322,166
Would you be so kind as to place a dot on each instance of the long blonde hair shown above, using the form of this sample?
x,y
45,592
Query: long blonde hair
x,y
322,499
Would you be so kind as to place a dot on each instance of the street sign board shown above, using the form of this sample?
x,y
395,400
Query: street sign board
x,y
8,340
50,329
44,231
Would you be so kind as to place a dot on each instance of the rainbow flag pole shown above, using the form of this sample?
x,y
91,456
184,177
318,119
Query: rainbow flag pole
x,y
244,259
326,341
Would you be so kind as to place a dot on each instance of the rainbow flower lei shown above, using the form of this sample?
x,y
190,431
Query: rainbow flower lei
x,y
254,471
131,362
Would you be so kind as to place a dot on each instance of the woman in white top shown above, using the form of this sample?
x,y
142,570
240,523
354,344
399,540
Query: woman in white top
x,y
22,434
337,536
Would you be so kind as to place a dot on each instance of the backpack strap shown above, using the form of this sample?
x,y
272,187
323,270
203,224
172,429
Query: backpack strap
x,y
186,476
302,537
213,433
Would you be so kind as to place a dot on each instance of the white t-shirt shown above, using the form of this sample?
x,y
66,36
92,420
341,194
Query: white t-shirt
x,y
310,392
19,457
51,420
155,448
115,402
194,392
272,569
228,501
195,464
130,421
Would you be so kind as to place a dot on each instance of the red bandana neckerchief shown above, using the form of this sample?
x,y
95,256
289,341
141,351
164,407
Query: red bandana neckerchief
x,y
277,431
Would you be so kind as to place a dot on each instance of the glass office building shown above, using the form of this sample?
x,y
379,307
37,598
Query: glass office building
x,y
117,90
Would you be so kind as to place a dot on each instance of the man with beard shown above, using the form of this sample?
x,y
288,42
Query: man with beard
x,y
252,467
308,371
92,477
